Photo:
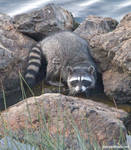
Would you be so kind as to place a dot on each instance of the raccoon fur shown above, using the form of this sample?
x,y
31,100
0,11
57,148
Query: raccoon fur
x,y
63,56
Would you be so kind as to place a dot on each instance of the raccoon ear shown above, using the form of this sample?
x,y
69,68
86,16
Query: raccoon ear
x,y
91,69
69,69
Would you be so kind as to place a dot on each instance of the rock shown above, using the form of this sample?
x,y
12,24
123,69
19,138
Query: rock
x,y
126,20
129,141
117,86
102,123
114,47
112,51
14,49
43,22
94,25
8,143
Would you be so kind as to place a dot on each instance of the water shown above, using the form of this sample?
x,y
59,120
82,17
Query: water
x,y
80,8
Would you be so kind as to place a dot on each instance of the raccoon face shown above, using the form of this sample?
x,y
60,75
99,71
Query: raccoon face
x,y
81,79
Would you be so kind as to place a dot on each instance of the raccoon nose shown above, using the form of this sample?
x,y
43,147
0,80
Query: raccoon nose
x,y
79,89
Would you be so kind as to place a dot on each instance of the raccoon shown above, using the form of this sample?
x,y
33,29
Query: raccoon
x,y
66,57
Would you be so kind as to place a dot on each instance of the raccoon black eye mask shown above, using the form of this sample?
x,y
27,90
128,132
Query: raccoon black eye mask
x,y
80,83
85,80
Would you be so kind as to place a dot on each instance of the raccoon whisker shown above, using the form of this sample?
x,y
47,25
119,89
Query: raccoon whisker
x,y
67,91
73,94
87,93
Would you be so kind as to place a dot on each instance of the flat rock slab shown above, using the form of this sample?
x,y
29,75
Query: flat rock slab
x,y
60,112
43,22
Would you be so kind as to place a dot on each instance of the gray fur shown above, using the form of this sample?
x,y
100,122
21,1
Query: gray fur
x,y
63,50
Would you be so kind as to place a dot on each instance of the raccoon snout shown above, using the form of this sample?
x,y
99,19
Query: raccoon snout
x,y
80,89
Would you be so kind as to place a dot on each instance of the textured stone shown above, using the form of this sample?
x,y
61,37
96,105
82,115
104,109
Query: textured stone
x,y
94,120
117,86
94,25
14,48
43,22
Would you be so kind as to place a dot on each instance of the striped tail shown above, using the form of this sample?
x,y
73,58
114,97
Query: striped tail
x,y
34,64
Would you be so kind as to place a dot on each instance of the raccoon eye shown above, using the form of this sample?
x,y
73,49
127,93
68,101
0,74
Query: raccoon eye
x,y
74,82
86,83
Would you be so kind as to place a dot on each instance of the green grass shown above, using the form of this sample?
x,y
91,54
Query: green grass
x,y
43,139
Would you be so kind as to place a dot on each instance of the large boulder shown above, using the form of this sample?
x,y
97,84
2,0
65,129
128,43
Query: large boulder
x,y
94,25
14,49
43,22
113,48
114,56
112,53
117,86
63,115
